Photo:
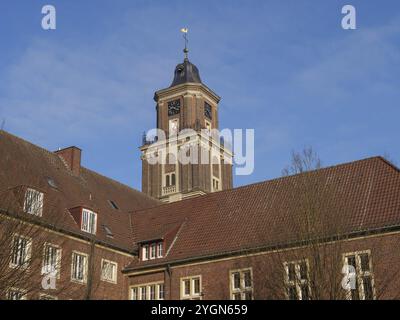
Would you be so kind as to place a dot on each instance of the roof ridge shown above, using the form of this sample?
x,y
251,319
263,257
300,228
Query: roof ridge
x,y
271,180
82,167
29,143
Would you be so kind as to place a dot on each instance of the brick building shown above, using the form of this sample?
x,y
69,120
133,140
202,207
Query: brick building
x,y
67,232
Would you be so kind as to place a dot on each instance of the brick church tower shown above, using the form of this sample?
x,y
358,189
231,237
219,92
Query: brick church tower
x,y
186,104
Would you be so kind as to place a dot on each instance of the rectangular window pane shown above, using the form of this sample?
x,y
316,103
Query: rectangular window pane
x,y
291,272
364,259
186,285
351,261
303,270
305,292
134,293
355,295
292,293
248,295
160,250
368,291
153,292
247,279
196,286
153,251
236,280
143,292
161,292
236,296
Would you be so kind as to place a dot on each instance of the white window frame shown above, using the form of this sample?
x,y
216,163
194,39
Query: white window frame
x,y
33,202
46,269
43,296
114,275
216,184
27,252
18,291
192,294
208,126
87,224
169,175
160,249
297,283
145,252
243,289
85,267
153,251
170,130
360,274
147,286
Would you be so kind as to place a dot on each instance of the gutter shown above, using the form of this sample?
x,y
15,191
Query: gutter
x,y
230,254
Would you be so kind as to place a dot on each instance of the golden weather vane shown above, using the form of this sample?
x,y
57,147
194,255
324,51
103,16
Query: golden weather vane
x,y
185,32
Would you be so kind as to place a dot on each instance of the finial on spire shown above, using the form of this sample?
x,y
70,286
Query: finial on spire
x,y
186,50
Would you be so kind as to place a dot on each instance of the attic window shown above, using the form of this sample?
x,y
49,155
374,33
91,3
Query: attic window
x,y
33,202
152,250
89,221
52,183
113,204
108,231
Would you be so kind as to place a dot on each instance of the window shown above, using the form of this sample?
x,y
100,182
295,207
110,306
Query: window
x,y
51,260
297,280
150,291
215,182
361,272
170,179
207,110
16,294
161,291
89,221
109,271
113,204
241,284
153,249
21,251
108,231
208,127
173,127
145,252
79,267
33,203
191,288
159,250
43,296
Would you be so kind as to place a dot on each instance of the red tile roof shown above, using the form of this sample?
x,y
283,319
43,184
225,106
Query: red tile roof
x,y
24,164
351,197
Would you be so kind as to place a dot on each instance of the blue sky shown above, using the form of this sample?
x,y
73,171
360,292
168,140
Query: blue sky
x,y
285,68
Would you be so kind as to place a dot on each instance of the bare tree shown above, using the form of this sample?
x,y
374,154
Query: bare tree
x,y
308,264
32,237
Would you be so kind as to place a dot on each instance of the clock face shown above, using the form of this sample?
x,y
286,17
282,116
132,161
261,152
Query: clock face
x,y
174,107
207,110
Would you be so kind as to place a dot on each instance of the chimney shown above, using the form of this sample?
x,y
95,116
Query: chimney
x,y
72,157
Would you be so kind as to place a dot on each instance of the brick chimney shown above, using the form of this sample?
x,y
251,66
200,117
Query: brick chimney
x,y
72,157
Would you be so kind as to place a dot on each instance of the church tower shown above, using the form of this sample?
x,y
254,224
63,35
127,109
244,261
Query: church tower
x,y
188,105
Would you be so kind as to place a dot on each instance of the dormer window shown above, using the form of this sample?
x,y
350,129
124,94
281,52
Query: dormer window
x,y
159,250
33,203
145,252
152,250
89,221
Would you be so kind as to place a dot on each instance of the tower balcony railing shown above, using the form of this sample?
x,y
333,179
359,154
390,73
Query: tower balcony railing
x,y
168,190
